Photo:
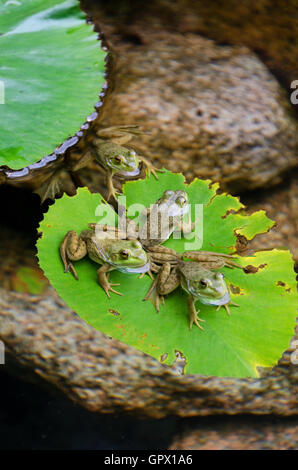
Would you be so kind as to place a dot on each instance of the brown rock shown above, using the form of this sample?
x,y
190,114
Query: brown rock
x,y
268,27
49,341
239,434
210,111
44,337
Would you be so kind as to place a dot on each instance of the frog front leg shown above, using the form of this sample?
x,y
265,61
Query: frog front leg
x,y
193,313
186,227
103,279
110,185
72,248
149,168
226,306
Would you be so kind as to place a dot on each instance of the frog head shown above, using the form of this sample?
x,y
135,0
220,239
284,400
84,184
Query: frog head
x,y
123,161
207,286
173,203
126,256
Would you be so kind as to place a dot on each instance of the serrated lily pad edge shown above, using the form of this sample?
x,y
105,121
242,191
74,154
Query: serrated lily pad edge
x,y
9,174
257,374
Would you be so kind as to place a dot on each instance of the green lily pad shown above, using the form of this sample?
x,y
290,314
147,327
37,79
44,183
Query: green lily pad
x,y
51,72
257,332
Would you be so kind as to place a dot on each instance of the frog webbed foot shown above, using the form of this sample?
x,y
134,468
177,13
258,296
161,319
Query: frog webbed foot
x,y
149,168
149,272
154,268
70,268
155,298
104,281
112,191
56,185
193,314
226,306
153,295
107,287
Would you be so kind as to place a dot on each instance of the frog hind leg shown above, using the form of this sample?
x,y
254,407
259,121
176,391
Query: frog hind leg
x,y
130,231
161,254
152,294
119,134
58,183
116,233
166,282
193,313
212,260
104,281
83,161
72,248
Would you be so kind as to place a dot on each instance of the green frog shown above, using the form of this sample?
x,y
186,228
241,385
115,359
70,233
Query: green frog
x,y
58,173
196,278
107,150
127,256
158,222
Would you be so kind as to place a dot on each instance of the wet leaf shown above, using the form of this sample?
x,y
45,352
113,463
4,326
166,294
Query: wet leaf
x,y
256,334
51,69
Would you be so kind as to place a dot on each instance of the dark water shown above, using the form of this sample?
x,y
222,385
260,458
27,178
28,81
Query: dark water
x,y
32,418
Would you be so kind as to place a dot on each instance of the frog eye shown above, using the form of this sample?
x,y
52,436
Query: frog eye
x,y
118,158
168,193
219,276
136,244
203,283
181,200
124,254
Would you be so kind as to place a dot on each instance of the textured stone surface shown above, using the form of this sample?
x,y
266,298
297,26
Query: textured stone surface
x,y
48,340
103,375
269,27
209,111
238,434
